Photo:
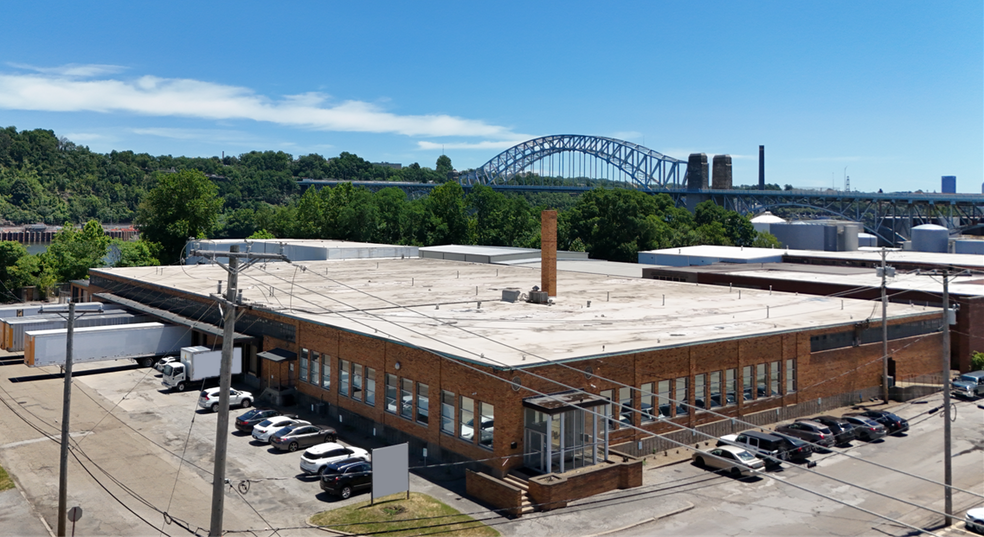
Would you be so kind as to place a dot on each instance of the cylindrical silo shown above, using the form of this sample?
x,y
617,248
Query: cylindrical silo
x,y
930,238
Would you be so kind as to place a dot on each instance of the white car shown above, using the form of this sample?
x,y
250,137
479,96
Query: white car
x,y
975,520
164,361
315,459
733,459
264,430
209,399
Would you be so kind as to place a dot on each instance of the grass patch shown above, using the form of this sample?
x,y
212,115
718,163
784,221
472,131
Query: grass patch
x,y
396,517
6,483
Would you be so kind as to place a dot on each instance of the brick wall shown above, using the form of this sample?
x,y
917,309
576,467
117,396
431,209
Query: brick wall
x,y
494,492
554,491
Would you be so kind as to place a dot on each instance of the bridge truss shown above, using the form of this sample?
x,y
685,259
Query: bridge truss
x,y
580,156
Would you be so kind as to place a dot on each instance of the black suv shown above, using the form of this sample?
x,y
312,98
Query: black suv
x,y
346,476
843,430
247,421
892,423
772,448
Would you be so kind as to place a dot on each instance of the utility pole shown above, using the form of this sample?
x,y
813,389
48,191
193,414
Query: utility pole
x,y
66,414
947,467
228,307
884,272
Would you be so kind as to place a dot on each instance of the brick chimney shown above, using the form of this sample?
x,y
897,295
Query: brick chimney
x,y
548,252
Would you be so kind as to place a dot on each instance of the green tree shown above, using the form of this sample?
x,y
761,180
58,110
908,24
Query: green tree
x,y
615,224
766,240
393,224
182,205
444,168
261,234
137,253
73,252
446,221
977,361
10,253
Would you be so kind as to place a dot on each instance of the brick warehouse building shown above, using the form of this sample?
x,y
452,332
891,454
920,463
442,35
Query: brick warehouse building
x,y
435,352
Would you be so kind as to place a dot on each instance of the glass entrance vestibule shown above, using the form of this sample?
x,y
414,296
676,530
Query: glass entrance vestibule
x,y
564,431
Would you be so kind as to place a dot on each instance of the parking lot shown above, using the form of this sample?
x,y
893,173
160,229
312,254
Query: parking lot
x,y
142,451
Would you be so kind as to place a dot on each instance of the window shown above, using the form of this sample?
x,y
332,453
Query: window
x,y
406,398
647,405
422,402
625,402
700,391
609,410
466,416
717,395
487,412
370,386
447,412
304,365
315,372
357,381
326,372
746,383
664,398
681,397
760,380
731,386
391,393
774,378
343,377
790,376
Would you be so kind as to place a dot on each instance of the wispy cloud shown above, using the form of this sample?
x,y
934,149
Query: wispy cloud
x,y
629,136
487,144
830,159
61,90
74,70
85,136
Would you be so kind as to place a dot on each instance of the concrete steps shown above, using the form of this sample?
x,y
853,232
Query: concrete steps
x,y
522,484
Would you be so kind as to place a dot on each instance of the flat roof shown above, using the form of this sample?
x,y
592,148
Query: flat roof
x,y
456,308
897,256
965,284
708,250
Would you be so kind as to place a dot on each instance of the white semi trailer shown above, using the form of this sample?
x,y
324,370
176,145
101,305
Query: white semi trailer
x,y
26,311
142,341
15,329
198,364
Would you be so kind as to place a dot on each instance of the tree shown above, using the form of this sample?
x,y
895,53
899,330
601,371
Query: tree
x,y
444,168
615,224
182,205
137,253
977,361
73,252
446,220
10,253
262,234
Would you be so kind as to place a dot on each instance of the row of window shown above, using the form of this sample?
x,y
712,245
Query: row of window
x,y
404,397
668,398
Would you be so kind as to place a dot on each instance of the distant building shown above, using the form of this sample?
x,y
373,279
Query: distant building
x,y
949,184
395,166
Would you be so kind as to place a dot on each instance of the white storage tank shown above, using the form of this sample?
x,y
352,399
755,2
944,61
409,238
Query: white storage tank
x,y
867,240
930,238
765,220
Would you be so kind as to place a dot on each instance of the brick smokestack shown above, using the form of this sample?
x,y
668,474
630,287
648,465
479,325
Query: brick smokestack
x,y
548,252
761,167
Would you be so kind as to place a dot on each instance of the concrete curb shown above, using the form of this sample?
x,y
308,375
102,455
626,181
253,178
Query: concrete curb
x,y
688,507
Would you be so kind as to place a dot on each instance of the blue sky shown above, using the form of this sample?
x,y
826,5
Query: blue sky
x,y
891,90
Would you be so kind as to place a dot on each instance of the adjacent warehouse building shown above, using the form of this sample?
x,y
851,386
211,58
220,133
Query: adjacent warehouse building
x,y
448,355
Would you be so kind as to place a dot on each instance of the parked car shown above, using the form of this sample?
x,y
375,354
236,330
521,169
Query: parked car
x,y
246,422
771,448
975,520
810,431
347,476
867,429
969,385
843,430
210,399
264,430
892,423
297,436
164,361
735,460
315,459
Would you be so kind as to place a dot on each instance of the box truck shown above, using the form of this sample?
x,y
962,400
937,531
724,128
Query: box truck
x,y
198,364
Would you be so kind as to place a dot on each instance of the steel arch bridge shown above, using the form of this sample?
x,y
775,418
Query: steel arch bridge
x,y
642,167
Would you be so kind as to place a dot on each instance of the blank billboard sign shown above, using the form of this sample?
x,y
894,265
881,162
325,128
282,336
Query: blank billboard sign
x,y
390,470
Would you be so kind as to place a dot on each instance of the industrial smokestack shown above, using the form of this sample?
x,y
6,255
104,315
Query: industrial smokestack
x,y
548,252
761,167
